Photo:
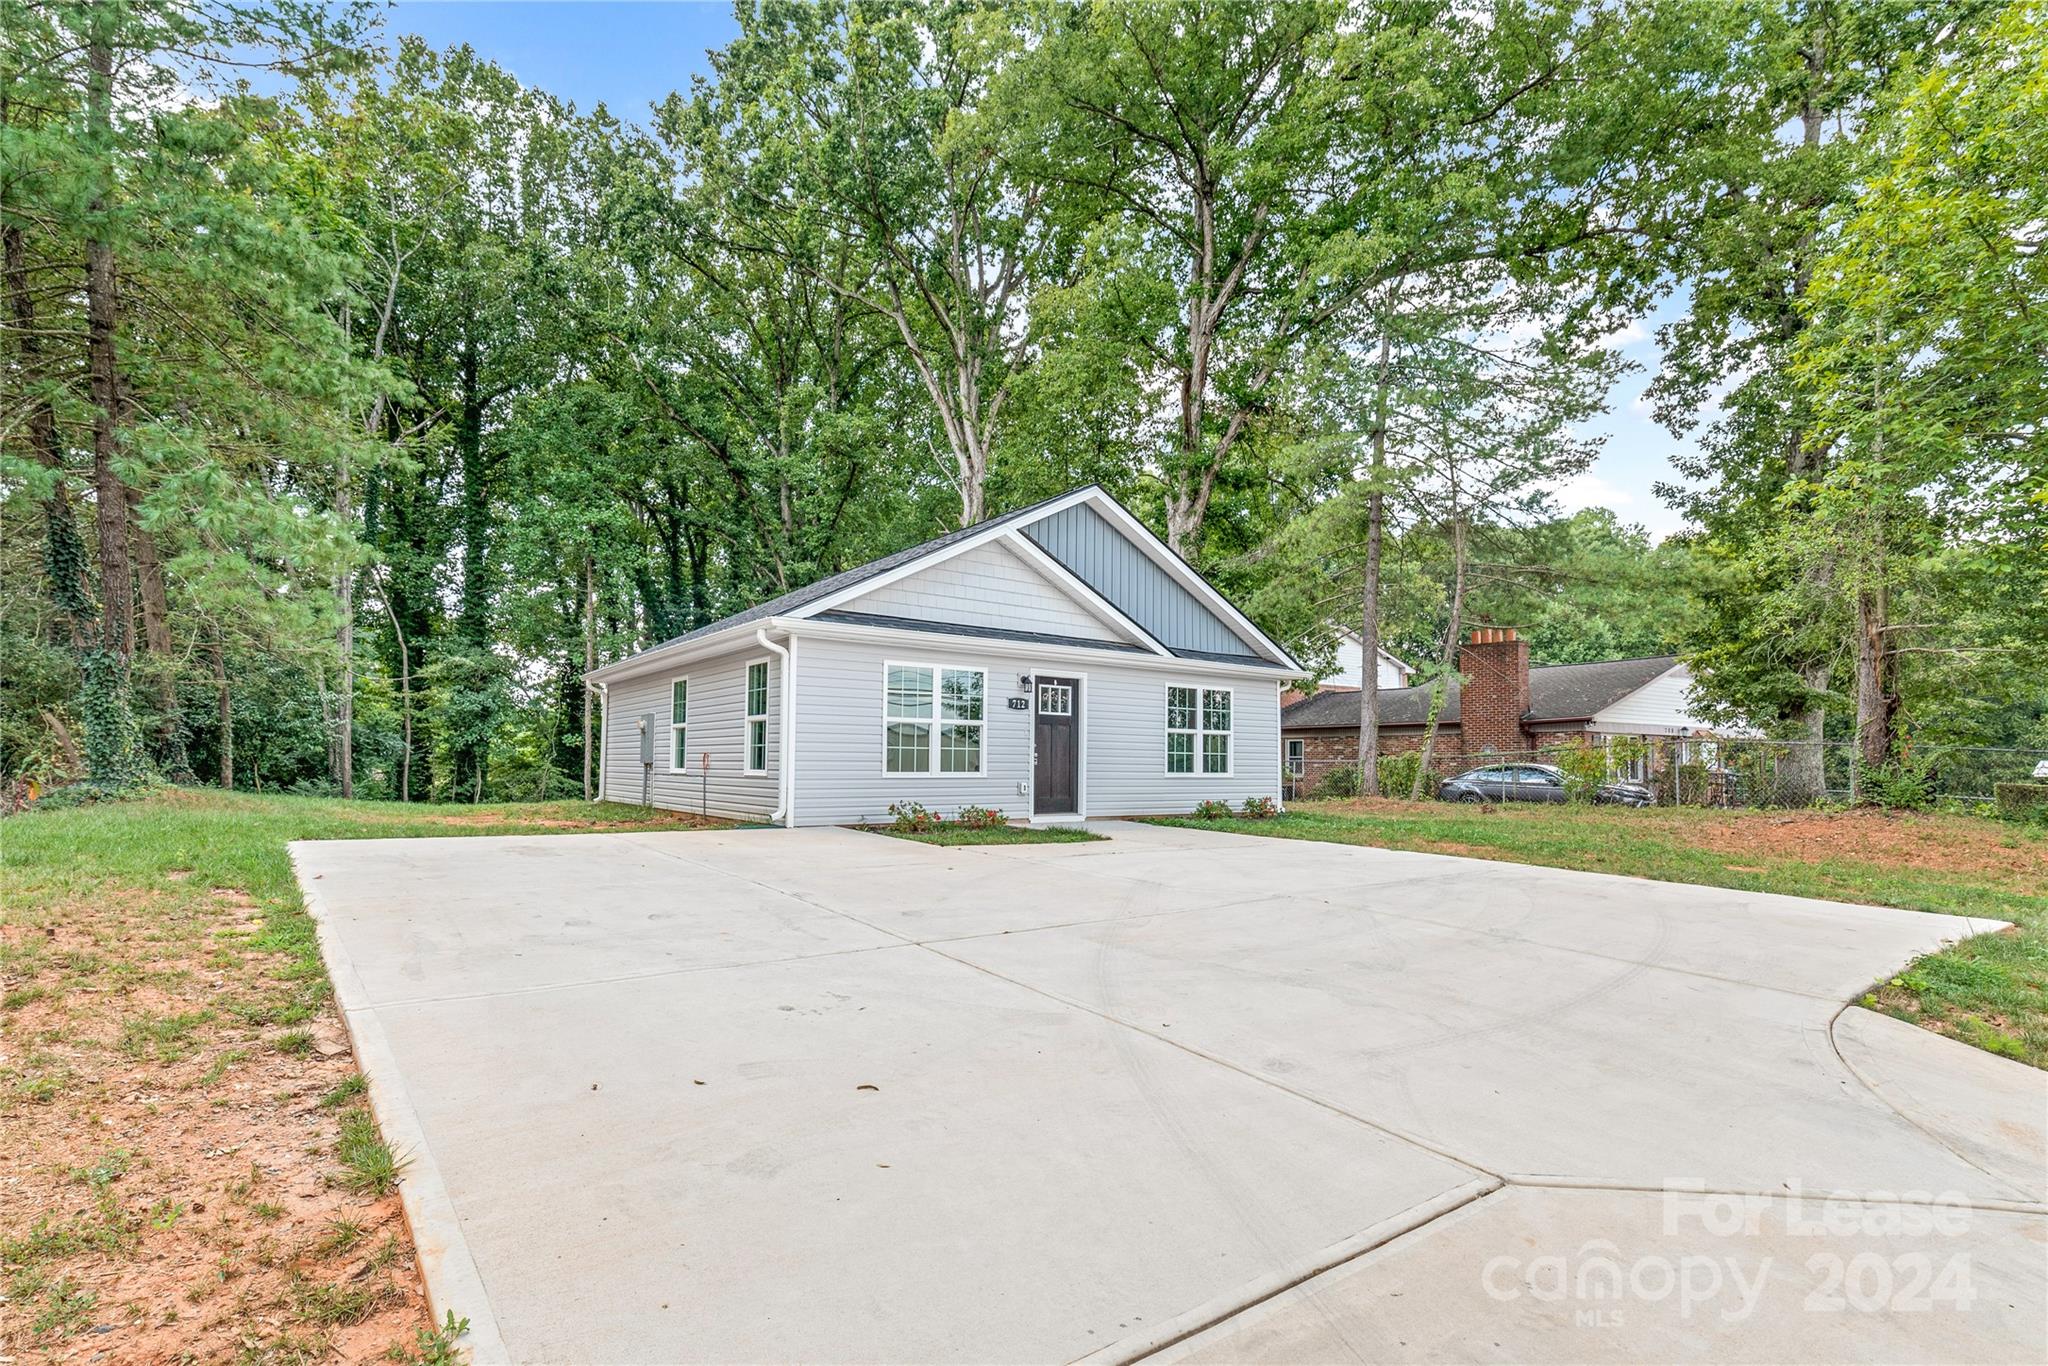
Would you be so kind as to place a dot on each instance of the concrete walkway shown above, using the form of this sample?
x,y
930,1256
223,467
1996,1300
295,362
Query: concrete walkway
x,y
827,1096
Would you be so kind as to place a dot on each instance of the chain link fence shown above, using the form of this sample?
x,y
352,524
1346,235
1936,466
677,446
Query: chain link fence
x,y
1662,770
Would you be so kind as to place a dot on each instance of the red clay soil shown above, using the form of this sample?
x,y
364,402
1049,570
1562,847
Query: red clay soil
x,y
171,1191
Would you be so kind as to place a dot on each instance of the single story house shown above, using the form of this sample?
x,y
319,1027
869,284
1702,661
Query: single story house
x,y
1503,707
1055,663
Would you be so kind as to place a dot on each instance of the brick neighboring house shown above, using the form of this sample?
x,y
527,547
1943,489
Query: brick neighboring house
x,y
1504,707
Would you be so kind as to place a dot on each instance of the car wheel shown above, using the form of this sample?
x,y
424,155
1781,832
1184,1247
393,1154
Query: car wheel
x,y
1470,796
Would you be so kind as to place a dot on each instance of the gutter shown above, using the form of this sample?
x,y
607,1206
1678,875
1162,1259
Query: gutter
x,y
787,759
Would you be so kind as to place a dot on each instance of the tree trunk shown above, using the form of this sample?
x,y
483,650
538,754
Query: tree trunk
x,y
1808,776
345,603
64,558
1369,605
104,692
225,709
156,639
1875,703
589,658
404,700
1449,661
472,621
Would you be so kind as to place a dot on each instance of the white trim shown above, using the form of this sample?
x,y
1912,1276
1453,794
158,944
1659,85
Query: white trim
x,y
1287,759
1201,730
604,734
747,721
935,720
1162,555
1280,783
788,773
911,639
674,725
1035,556
1080,812
785,786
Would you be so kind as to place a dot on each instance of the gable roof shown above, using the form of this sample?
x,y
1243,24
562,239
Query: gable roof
x,y
820,599
1557,692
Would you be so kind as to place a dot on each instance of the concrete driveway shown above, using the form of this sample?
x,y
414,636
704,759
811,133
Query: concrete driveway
x,y
826,1096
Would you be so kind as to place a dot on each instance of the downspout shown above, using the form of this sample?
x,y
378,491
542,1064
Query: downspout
x,y
604,716
782,813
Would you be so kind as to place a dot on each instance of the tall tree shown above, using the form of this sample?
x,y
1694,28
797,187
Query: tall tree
x,y
847,139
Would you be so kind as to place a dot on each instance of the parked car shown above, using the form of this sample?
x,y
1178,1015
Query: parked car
x,y
1531,783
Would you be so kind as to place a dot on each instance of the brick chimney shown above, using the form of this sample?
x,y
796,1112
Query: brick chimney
x,y
1495,696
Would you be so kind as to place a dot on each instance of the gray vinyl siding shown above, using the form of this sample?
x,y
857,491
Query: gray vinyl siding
x,y
717,726
990,585
1105,559
839,703
1124,716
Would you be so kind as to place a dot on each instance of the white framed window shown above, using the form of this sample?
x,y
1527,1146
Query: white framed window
x,y
679,726
1055,699
757,716
1297,757
1198,722
932,719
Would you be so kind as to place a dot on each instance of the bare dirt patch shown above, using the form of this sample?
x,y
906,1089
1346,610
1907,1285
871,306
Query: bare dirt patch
x,y
172,1191
1893,839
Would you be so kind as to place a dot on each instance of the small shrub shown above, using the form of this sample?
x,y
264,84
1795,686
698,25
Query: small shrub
x,y
1212,811
2021,801
1258,809
1904,784
1341,781
1397,773
980,818
1584,767
912,818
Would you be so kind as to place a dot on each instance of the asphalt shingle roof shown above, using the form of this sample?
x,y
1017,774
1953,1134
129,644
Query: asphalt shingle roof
x,y
825,587
1557,692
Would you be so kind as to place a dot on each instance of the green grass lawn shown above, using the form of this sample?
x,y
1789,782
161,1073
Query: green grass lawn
x,y
1991,991
193,1170
995,834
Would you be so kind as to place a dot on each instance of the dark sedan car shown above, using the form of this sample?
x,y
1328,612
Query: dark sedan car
x,y
1531,783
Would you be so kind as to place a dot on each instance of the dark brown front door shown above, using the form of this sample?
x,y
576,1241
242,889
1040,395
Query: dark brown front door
x,y
1055,749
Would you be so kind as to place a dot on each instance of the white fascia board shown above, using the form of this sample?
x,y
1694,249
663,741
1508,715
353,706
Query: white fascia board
x,y
1162,555
657,658
809,628
1102,608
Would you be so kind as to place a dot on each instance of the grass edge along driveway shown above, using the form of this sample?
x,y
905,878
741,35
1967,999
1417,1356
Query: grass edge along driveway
x,y
1990,991
195,1172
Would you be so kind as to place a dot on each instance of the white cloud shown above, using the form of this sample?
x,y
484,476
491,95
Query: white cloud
x,y
1588,490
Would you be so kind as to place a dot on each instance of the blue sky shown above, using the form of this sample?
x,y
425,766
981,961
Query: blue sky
x,y
630,55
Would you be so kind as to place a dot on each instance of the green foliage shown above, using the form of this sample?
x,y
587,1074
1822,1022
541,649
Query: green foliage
x,y
979,818
1585,768
1258,809
1397,773
1342,780
913,818
1211,810
1906,783
2021,801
